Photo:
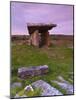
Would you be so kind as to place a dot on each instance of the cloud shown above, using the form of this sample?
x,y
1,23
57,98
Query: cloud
x,y
22,13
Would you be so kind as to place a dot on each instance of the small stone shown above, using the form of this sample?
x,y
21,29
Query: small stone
x,y
17,96
61,78
28,88
16,84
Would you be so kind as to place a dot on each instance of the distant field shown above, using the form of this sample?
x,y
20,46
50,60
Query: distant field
x,y
58,58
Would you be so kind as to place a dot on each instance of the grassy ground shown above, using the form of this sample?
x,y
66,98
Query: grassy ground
x,y
58,59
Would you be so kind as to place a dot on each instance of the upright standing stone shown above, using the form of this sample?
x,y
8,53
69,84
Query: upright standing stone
x,y
35,38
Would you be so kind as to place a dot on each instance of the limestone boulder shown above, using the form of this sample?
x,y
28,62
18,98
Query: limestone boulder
x,y
25,72
47,89
16,84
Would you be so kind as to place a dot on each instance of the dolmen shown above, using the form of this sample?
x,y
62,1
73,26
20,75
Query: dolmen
x,y
39,33
25,72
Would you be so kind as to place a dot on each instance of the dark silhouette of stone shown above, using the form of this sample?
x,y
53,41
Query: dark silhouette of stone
x,y
24,72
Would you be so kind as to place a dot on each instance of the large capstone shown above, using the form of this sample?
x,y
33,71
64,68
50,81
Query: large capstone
x,y
25,72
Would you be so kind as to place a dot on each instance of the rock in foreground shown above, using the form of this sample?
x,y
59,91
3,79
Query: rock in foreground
x,y
47,89
16,84
25,72
64,85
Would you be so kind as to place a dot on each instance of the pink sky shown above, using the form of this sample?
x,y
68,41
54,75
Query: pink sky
x,y
23,13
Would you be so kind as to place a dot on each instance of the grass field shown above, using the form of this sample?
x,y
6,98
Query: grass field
x,y
59,60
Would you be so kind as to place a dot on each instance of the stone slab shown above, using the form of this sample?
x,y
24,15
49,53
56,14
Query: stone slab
x,y
64,85
16,84
47,89
25,72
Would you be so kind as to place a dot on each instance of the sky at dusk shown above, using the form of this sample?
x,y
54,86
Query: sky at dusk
x,y
23,13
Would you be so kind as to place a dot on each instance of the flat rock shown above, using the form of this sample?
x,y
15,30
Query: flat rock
x,y
64,85
16,84
47,89
25,72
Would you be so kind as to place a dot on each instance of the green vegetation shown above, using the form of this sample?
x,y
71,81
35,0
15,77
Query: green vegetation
x,y
36,92
58,59
14,91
